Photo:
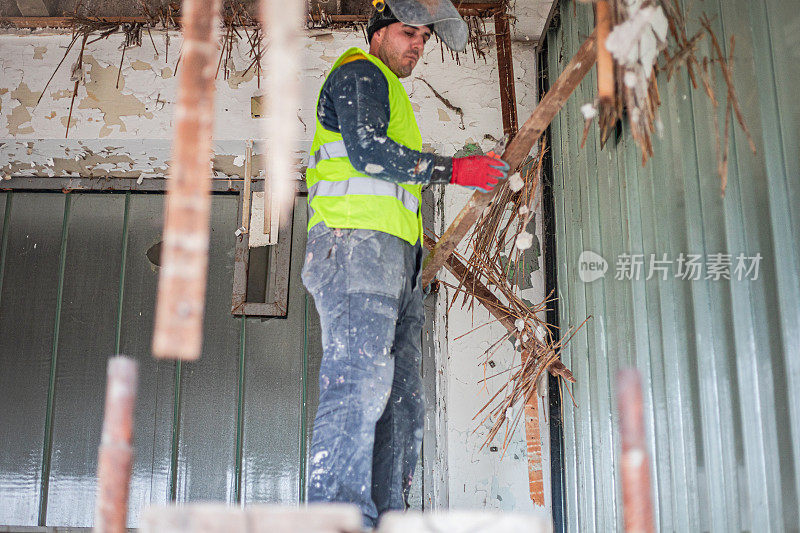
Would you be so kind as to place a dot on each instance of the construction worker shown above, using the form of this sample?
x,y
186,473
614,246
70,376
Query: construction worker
x,y
364,255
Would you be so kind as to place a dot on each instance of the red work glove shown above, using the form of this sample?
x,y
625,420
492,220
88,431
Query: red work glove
x,y
479,172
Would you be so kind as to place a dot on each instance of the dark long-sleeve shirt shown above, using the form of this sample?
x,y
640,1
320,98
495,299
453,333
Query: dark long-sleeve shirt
x,y
355,102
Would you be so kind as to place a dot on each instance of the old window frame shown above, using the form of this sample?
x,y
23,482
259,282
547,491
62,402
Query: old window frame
x,y
276,300
277,296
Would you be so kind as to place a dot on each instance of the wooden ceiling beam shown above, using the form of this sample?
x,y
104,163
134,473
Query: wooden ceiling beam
x,y
483,9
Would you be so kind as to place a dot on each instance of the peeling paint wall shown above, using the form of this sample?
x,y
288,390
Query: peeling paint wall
x,y
483,478
121,126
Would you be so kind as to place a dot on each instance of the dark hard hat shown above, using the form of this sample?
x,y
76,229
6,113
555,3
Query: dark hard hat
x,y
382,18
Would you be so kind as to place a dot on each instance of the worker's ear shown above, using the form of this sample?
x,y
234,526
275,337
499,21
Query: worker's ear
x,y
377,37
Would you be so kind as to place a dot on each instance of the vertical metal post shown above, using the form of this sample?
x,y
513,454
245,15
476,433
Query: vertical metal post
x,y
115,456
180,305
634,464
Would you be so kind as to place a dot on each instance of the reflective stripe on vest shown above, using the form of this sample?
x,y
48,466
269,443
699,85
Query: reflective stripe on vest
x,y
327,151
364,186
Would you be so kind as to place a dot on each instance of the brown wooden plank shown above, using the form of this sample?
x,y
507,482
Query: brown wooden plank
x,y
115,455
515,153
217,517
484,9
505,68
637,499
180,304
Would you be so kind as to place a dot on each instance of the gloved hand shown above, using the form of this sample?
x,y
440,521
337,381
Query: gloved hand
x,y
479,172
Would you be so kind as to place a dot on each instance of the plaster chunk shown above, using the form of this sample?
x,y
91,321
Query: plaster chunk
x,y
515,182
237,77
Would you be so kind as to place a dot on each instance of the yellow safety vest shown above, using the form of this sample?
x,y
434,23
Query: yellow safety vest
x,y
343,197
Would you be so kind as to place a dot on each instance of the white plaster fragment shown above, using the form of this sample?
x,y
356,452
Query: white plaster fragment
x,y
515,182
523,210
524,241
638,40
519,324
589,111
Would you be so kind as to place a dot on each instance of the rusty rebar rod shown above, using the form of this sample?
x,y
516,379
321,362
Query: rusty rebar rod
x,y
634,462
180,304
497,309
115,454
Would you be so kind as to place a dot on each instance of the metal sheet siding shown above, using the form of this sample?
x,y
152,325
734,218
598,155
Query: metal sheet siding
x,y
76,286
720,360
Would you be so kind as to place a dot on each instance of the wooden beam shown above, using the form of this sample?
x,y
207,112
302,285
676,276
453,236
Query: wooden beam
x,y
60,22
485,9
637,499
515,154
115,455
180,303
505,68
605,63
497,309
257,518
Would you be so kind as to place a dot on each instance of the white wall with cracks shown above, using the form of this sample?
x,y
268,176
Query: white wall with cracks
x,y
123,129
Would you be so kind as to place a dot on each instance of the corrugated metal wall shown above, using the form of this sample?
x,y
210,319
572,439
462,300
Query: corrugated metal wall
x,y
720,359
76,286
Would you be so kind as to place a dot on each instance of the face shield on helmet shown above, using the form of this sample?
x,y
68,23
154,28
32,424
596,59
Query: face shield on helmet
x,y
447,23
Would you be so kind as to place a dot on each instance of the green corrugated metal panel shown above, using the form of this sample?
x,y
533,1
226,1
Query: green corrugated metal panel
x,y
76,284
720,359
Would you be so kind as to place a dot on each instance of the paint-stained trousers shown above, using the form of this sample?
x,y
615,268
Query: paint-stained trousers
x,y
368,428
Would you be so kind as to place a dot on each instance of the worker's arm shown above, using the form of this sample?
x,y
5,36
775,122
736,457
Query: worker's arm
x,y
355,102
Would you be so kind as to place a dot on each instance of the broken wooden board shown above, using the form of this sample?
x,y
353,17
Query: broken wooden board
x,y
515,153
